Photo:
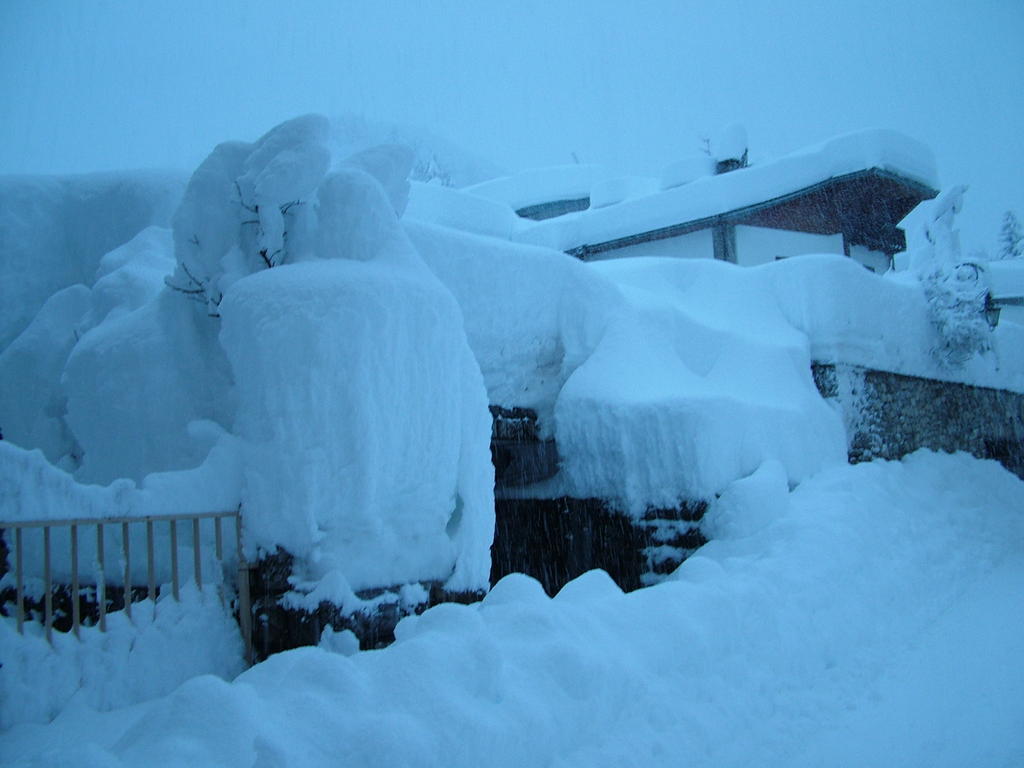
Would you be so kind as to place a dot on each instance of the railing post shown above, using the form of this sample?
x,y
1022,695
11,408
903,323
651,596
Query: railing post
x,y
150,566
20,581
244,605
197,566
99,568
76,609
48,585
126,548
101,578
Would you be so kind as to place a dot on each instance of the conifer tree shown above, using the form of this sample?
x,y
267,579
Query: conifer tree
x,y
1011,240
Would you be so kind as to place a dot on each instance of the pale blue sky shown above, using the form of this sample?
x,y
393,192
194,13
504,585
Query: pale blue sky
x,y
86,86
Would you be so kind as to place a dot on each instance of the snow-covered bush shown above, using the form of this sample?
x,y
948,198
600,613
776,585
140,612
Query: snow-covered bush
x,y
956,300
247,208
954,290
1011,239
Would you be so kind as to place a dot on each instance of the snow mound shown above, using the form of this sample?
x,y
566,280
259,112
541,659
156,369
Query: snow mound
x,y
460,210
361,408
435,161
55,229
801,643
365,423
677,401
532,315
136,660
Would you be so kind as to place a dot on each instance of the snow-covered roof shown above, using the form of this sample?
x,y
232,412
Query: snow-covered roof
x,y
540,185
1005,279
709,196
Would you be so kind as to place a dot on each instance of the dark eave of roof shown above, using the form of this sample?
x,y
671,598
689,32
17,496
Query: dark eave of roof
x,y
864,206
554,208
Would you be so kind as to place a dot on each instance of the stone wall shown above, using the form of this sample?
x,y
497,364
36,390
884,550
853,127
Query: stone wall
x,y
556,539
889,415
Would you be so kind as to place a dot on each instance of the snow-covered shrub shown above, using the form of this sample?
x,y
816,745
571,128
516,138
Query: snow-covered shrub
x,y
954,290
361,408
247,207
956,300
1011,239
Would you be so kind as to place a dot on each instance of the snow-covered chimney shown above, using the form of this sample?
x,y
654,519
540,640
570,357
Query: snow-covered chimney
x,y
729,148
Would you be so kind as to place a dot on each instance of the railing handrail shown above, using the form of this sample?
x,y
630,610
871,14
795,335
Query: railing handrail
x,y
244,604
116,520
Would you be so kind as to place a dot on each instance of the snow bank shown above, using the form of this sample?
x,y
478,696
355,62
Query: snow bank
x,y
33,489
129,379
32,401
436,160
135,660
679,399
532,315
459,209
55,229
853,316
765,643
711,195
135,382
355,388
361,407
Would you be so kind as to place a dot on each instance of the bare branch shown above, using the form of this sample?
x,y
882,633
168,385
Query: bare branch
x,y
241,200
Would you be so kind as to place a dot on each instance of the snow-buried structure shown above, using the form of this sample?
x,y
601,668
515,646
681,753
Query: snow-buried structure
x,y
409,393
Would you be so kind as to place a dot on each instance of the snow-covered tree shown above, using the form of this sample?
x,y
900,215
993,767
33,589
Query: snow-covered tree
x,y
1011,239
954,289
956,300
256,206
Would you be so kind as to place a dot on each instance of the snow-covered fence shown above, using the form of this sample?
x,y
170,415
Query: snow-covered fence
x,y
105,526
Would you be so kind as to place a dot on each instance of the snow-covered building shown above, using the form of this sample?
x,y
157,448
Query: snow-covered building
x,y
844,196
1004,281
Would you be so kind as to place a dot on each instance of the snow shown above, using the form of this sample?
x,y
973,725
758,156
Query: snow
x,y
665,379
712,195
436,160
135,660
730,143
459,209
156,403
31,402
870,616
364,422
340,399
540,185
134,384
532,315
55,229
679,399
1005,279
31,488
686,170
760,245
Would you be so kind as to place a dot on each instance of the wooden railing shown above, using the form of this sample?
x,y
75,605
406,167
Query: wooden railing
x,y
101,525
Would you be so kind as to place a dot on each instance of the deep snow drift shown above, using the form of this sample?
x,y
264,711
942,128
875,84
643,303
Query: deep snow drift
x,y
334,395
871,616
318,341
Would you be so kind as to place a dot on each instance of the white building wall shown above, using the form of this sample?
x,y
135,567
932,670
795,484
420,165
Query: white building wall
x,y
761,245
876,261
694,245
